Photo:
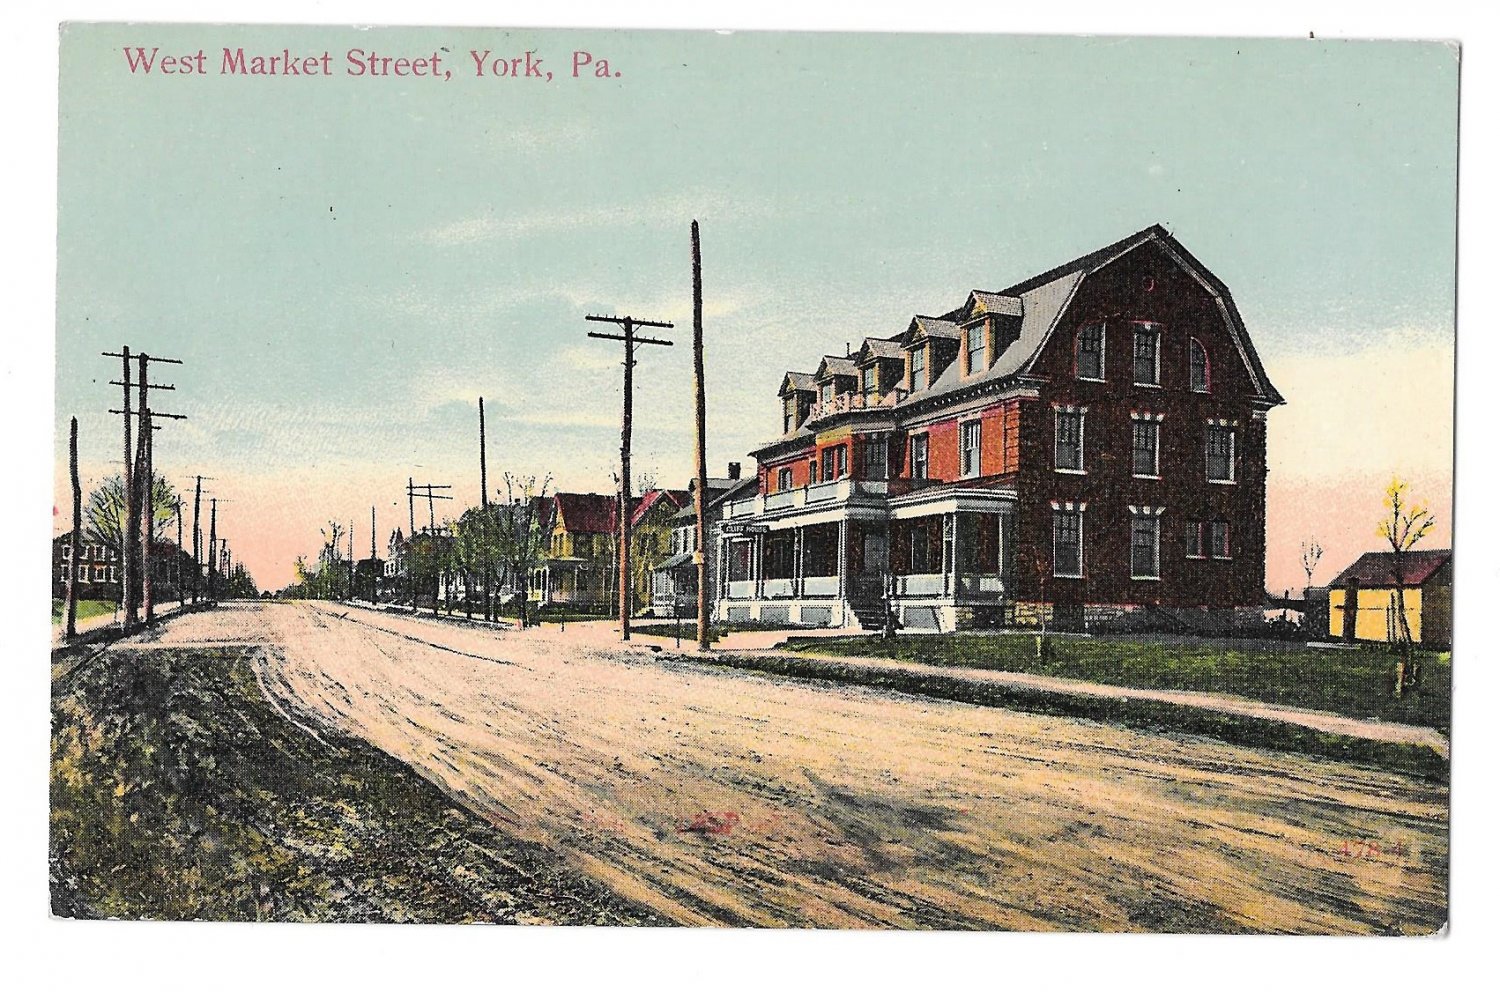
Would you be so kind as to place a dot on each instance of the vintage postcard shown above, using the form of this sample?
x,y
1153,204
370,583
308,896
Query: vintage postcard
x,y
667,478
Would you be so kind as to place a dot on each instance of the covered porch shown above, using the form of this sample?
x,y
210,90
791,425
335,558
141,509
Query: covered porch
x,y
928,555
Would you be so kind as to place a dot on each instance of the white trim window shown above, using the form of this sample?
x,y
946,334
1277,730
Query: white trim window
x,y
869,381
919,456
1218,539
976,345
1067,541
1067,447
1199,377
968,449
1193,539
1145,542
783,479
1145,448
789,414
917,366
1088,353
1218,452
1147,352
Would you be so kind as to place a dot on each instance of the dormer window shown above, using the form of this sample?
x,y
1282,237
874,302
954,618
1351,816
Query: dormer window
x,y
1088,357
827,392
1197,366
869,381
976,346
918,364
789,414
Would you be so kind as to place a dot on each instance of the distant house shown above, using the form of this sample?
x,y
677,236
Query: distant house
x,y
651,528
674,580
578,568
98,570
1369,586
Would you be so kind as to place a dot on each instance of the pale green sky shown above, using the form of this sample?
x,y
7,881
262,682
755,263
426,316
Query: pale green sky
x,y
345,264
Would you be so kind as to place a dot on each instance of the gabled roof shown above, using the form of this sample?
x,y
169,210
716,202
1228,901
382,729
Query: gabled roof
x,y
797,381
672,498
1378,568
922,328
718,490
585,513
833,365
875,349
982,301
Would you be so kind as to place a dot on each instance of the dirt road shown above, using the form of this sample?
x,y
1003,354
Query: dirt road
x,y
723,797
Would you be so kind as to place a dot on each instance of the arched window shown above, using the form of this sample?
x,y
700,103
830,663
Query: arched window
x,y
1198,371
1088,353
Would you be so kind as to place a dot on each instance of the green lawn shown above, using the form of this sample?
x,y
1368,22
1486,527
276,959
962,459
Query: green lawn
x,y
87,609
1354,682
669,628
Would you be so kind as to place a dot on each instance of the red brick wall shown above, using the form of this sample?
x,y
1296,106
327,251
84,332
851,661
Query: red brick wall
x,y
1145,285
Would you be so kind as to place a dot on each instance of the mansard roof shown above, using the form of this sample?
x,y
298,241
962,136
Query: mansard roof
x,y
1039,302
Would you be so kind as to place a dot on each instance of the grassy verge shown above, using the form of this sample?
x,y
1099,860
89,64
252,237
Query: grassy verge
x,y
1353,682
689,628
179,792
1145,715
87,609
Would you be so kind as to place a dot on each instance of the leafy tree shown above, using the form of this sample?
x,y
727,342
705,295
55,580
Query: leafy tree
x,y
1403,527
104,517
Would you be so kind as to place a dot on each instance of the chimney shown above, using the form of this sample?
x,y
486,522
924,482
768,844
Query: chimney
x,y
734,470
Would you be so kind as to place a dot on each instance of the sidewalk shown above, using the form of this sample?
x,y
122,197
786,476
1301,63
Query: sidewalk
x,y
763,644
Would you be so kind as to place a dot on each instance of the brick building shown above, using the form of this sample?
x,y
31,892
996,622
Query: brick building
x,y
1086,446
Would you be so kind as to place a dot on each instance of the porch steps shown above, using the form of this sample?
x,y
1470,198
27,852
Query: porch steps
x,y
871,615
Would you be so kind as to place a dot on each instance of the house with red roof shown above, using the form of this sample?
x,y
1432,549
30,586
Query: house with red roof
x,y
1362,600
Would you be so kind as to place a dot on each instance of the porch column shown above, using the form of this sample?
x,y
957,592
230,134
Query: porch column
x,y
758,565
955,554
797,548
843,559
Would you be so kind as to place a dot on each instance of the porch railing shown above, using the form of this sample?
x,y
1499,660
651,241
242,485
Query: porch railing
x,y
820,585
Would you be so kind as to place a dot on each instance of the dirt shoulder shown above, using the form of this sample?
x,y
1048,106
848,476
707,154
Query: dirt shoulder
x,y
180,790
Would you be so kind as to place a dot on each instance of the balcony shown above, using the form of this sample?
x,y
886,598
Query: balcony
x,y
852,402
817,496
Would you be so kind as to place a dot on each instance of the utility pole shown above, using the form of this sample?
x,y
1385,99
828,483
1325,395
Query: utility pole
x,y
484,507
351,559
374,562
70,630
140,511
127,531
484,483
700,494
197,536
411,492
628,325
213,539
177,556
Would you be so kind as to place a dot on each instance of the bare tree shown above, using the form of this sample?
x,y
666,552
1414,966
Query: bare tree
x,y
1312,553
523,532
1403,527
